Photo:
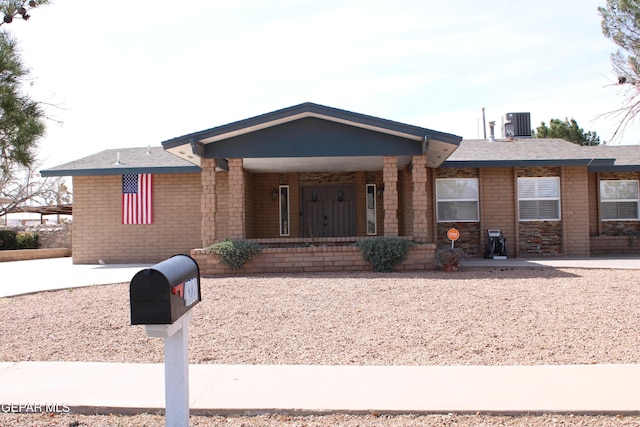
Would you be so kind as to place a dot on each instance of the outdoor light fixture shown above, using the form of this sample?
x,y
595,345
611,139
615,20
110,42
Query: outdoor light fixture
x,y
314,196
380,191
274,194
340,195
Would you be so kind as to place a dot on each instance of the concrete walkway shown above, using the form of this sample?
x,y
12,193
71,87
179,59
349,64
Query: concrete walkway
x,y
24,277
252,389
61,273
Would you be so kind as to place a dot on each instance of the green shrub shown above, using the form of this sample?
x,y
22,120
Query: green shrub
x,y
384,252
27,240
234,253
8,240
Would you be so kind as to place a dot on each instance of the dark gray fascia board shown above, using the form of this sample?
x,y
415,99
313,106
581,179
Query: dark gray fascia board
x,y
120,171
609,168
309,107
526,163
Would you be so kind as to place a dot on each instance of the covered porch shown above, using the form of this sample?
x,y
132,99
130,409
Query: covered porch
x,y
310,177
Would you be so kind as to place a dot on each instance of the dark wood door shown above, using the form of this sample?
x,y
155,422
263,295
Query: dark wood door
x,y
328,211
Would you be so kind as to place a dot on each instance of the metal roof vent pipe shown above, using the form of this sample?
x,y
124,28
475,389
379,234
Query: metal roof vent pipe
x,y
492,133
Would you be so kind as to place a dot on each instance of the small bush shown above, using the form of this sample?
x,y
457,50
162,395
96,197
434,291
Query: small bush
x,y
8,240
234,253
384,252
27,240
448,256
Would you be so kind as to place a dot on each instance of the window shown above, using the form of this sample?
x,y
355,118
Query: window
x,y
539,199
371,209
457,199
284,210
619,200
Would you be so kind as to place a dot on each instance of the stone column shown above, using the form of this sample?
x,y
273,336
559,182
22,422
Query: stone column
x,y
236,199
208,202
390,204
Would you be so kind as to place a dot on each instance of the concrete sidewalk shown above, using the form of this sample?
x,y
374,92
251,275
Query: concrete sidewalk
x,y
302,389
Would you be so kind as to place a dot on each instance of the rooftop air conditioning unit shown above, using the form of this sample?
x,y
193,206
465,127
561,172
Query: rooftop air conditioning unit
x,y
516,125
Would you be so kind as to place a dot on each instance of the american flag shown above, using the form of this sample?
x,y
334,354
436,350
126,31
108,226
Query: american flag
x,y
136,199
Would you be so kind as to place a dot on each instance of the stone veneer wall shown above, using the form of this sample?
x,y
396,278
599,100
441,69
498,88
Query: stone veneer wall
x,y
540,238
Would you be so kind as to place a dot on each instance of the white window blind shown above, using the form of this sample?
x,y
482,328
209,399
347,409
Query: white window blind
x,y
539,199
457,199
619,200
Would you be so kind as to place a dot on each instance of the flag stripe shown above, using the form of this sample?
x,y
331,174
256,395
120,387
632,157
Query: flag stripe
x,y
137,206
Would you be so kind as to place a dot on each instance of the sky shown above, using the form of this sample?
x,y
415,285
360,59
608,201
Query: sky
x,y
121,74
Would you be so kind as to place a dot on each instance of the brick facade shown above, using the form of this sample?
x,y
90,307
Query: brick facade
x,y
98,232
192,211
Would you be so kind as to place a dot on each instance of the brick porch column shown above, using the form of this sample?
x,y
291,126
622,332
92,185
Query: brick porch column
x,y
390,204
208,202
419,178
236,199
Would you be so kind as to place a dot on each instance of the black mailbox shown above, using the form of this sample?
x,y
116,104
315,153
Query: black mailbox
x,y
164,292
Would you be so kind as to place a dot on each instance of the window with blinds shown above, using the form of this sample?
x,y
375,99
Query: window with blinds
x,y
539,199
457,199
619,200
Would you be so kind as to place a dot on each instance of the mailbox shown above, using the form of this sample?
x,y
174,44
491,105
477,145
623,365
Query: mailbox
x,y
164,292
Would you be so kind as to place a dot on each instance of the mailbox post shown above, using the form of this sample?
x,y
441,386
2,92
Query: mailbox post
x,y
161,298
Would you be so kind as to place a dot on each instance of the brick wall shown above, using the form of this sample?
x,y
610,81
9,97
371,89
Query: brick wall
x,y
98,232
361,203
498,198
594,208
311,259
263,212
575,211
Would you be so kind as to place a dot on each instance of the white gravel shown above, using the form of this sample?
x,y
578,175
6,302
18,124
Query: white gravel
x,y
521,316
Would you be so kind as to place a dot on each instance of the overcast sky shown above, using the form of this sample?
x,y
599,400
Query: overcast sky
x,y
132,74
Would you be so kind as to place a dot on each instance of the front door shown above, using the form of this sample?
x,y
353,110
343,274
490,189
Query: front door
x,y
328,211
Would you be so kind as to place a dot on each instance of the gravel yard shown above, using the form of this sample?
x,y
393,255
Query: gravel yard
x,y
521,316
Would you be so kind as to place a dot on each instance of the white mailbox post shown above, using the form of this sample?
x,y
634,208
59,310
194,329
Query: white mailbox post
x,y
161,298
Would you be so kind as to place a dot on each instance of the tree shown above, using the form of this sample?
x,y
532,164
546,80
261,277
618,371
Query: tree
x,y
567,130
24,185
12,9
621,24
21,118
